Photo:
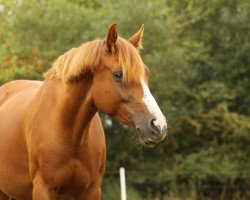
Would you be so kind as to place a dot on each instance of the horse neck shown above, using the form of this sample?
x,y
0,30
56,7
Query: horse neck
x,y
73,106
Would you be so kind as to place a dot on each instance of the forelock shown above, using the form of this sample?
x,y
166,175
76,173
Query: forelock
x,y
129,60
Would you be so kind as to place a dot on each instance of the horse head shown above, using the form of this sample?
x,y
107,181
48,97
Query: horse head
x,y
120,87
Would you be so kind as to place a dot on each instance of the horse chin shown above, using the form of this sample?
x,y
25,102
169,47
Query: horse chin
x,y
146,141
147,144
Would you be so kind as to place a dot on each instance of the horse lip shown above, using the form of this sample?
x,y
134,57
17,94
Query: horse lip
x,y
149,142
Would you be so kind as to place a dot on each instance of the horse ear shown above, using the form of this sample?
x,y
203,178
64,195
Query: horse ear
x,y
111,38
136,39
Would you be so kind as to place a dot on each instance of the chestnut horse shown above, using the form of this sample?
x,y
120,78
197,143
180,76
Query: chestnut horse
x,y
52,143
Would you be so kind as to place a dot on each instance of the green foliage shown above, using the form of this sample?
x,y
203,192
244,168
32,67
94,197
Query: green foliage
x,y
198,55
38,32
112,191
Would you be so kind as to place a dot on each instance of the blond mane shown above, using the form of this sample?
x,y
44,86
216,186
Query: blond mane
x,y
75,62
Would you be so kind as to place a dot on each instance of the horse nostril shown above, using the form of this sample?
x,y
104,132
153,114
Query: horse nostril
x,y
152,126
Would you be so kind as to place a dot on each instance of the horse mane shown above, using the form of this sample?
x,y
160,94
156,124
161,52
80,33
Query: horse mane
x,y
74,63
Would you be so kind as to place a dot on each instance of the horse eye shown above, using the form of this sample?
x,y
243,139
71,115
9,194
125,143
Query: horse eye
x,y
118,76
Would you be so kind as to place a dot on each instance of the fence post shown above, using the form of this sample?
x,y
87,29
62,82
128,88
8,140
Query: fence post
x,y
122,183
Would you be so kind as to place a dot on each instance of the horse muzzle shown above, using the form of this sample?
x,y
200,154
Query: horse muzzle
x,y
150,133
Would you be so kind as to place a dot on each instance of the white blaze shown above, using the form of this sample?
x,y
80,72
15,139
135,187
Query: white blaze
x,y
152,106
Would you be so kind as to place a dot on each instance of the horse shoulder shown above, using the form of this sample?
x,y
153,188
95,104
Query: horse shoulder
x,y
97,157
97,138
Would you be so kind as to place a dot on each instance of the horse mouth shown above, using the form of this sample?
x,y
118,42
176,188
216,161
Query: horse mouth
x,y
147,142
150,143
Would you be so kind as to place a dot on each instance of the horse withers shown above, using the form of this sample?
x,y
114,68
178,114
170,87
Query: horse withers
x,y
52,143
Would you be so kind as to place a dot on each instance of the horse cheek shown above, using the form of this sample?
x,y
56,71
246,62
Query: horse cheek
x,y
104,101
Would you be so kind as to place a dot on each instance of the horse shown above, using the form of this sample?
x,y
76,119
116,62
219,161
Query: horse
x,y
52,143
